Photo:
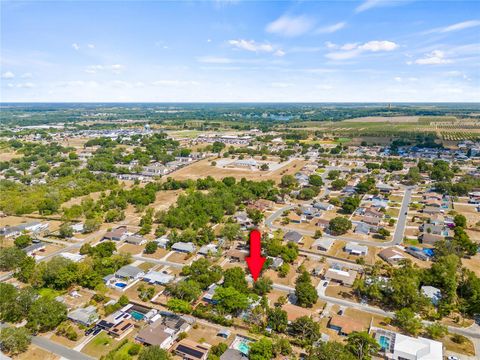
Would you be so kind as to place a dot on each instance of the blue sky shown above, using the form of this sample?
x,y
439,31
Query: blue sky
x,y
369,50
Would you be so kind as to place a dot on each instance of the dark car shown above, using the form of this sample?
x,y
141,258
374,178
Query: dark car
x,y
97,330
89,331
340,312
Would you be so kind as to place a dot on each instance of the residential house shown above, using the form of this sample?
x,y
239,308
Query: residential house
x,y
362,228
129,272
296,219
191,350
432,293
345,325
208,296
343,277
293,236
185,247
208,249
372,220
276,262
323,244
417,253
323,206
135,240
116,234
391,255
322,223
236,255
233,354
71,256
84,316
397,346
243,220
162,242
31,250
164,330
157,277
431,239
430,210
354,248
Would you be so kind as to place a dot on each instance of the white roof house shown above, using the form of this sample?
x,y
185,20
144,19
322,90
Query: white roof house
x,y
432,293
186,247
323,244
158,277
407,347
71,256
354,248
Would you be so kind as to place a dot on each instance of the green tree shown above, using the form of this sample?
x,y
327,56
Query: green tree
x,y
14,341
338,184
288,181
235,278
23,241
154,353
231,231
262,286
304,291
339,225
261,350
362,345
315,180
436,331
151,247
230,300
11,258
333,174
330,350
305,329
179,306
407,321
65,230
277,319
460,221
46,314
350,204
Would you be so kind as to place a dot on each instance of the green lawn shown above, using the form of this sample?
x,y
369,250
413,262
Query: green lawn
x,y
50,293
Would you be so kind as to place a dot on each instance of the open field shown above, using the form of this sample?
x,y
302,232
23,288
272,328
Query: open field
x,y
203,169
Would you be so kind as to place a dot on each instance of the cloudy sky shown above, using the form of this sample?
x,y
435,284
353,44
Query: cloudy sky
x,y
368,50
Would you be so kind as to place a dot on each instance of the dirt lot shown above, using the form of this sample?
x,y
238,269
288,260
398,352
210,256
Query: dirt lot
x,y
160,253
203,169
207,334
131,248
132,292
473,264
35,353
340,292
164,199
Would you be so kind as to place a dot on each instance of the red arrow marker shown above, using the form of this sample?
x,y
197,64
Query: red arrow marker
x,y
255,261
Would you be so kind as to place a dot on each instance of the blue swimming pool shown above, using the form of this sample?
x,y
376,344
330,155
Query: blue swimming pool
x,y
384,342
120,285
137,315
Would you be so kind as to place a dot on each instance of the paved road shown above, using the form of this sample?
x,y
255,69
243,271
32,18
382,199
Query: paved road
x,y
156,261
402,218
396,239
58,349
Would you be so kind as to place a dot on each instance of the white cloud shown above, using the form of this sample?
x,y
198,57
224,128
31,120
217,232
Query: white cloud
x,y
436,57
115,68
91,46
75,46
370,4
26,85
8,75
376,46
331,28
351,50
215,60
290,26
175,83
26,75
251,45
280,85
330,45
456,27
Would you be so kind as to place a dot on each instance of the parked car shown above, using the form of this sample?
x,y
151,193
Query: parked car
x,y
89,331
97,331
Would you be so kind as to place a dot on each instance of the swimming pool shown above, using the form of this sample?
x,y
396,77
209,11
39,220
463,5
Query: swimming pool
x,y
120,285
384,342
137,315
241,344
